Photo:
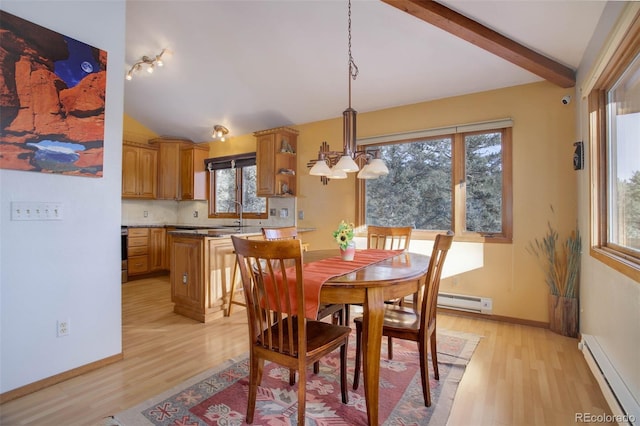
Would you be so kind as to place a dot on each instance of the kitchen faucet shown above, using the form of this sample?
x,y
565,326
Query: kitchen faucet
x,y
241,210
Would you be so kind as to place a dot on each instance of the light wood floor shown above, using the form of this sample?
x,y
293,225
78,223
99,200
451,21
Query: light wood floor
x,y
518,375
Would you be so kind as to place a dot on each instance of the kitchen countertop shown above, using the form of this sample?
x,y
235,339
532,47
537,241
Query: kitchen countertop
x,y
201,231
222,232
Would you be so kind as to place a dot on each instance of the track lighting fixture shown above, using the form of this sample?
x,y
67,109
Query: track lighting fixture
x,y
148,63
219,132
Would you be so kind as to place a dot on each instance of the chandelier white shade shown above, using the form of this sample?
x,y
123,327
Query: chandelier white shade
x,y
337,174
347,164
320,168
377,167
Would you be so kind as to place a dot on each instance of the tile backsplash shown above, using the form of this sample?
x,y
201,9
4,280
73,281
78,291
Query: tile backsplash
x,y
282,212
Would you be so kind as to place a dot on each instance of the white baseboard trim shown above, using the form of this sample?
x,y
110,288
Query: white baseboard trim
x,y
625,409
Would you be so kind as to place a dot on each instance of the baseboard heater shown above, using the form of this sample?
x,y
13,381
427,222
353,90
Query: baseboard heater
x,y
625,408
466,303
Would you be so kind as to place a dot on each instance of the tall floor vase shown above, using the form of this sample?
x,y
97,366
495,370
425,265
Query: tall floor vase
x,y
563,315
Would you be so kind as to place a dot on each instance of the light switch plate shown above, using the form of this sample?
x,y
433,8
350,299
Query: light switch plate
x,y
36,210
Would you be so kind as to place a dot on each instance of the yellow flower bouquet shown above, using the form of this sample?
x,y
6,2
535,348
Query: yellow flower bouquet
x,y
344,234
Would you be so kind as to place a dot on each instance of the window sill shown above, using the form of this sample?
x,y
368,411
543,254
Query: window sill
x,y
418,234
612,259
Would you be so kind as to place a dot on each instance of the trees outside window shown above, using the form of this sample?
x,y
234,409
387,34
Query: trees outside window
x,y
417,192
233,180
483,165
459,182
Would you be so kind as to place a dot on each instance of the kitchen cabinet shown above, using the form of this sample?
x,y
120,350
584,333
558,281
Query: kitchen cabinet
x,y
139,171
181,171
168,169
138,251
187,280
193,175
157,249
276,161
201,274
146,250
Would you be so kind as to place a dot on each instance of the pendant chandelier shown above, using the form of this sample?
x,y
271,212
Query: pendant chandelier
x,y
336,164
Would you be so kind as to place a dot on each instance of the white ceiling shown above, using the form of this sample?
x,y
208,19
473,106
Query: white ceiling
x,y
253,65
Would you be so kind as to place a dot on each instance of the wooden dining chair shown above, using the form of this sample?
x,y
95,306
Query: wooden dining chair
x,y
335,311
385,238
406,323
278,332
287,232
388,237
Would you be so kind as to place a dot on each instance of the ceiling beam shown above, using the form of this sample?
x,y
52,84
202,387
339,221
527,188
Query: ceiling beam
x,y
467,29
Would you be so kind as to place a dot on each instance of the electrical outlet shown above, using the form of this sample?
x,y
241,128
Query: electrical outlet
x,y
301,214
63,328
145,213
195,213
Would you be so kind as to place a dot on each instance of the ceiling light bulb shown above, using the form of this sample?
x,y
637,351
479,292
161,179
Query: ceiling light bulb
x,y
150,69
129,76
159,61
222,139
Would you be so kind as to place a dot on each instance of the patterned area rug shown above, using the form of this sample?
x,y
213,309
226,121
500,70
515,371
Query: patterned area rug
x,y
219,396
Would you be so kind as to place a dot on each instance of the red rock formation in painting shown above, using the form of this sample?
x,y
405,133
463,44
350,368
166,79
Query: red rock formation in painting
x,y
36,104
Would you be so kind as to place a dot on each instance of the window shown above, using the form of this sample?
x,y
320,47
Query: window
x,y
615,126
458,179
483,165
232,184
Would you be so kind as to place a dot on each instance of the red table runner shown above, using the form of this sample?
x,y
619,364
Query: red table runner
x,y
317,273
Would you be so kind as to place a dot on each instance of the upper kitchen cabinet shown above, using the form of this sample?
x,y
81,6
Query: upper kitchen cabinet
x,y
276,160
168,168
139,170
193,175
181,171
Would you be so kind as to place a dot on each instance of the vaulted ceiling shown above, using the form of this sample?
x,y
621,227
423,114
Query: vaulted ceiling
x,y
252,65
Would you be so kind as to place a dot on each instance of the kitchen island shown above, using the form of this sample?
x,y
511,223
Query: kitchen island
x,y
202,268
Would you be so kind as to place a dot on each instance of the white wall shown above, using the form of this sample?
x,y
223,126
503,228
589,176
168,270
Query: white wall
x,y
68,269
609,301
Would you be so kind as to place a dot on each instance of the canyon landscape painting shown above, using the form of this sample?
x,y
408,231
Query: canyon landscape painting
x,y
52,101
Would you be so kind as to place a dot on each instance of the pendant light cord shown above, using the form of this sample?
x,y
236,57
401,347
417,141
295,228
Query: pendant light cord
x,y
353,68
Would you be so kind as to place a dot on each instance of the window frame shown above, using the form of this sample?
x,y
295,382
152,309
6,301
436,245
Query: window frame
x,y
611,254
211,190
458,182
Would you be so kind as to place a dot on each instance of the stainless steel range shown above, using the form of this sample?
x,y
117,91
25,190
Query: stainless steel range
x,y
123,246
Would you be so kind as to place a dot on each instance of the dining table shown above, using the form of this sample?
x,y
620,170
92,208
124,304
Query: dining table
x,y
395,277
